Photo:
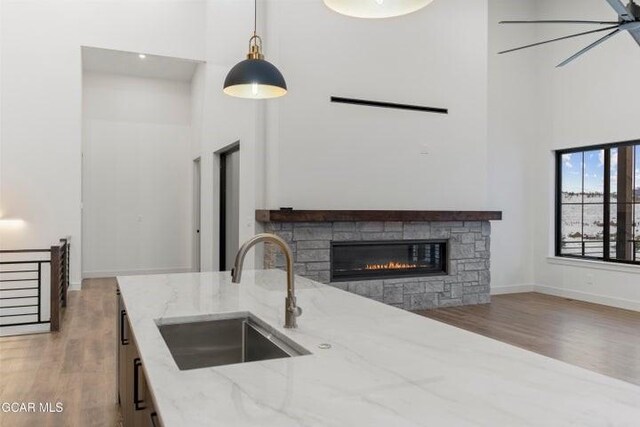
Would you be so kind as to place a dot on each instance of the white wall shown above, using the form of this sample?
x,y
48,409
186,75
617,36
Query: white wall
x,y
225,121
590,101
323,155
137,175
2,214
333,156
41,98
306,163
494,149
513,134
41,64
532,103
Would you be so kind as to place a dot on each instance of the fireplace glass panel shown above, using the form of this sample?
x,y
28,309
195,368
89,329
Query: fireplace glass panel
x,y
407,258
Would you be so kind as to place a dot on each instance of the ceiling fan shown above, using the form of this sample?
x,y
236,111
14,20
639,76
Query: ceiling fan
x,y
628,20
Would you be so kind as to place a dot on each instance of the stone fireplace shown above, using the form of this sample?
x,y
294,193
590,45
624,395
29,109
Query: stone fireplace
x,y
410,259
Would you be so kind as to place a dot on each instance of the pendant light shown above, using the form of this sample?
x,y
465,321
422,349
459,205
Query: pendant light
x,y
376,8
254,77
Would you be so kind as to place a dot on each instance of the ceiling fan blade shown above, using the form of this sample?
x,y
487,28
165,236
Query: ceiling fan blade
x,y
636,35
621,10
561,21
588,48
560,38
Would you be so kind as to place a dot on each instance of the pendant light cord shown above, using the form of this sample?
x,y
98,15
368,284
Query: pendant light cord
x,y
255,17
255,42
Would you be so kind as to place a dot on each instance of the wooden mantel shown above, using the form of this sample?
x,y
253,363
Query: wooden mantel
x,y
289,215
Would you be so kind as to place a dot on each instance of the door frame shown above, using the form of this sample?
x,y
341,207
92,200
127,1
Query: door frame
x,y
197,215
222,155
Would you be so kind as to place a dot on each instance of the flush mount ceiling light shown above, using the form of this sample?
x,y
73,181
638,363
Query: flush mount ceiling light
x,y
376,8
254,77
142,56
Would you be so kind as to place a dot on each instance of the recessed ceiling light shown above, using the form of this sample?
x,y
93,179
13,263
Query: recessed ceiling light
x,y
142,56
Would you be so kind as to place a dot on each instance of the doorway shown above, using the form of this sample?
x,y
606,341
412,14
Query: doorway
x,y
137,164
229,205
197,177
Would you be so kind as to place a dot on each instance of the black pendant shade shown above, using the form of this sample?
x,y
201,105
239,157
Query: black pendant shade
x,y
255,78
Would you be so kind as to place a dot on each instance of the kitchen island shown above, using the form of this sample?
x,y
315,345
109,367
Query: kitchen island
x,y
385,366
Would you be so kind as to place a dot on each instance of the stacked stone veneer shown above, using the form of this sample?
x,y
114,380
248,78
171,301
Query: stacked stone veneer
x,y
467,282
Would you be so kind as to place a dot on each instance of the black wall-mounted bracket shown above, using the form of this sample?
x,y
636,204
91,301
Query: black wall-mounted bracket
x,y
380,104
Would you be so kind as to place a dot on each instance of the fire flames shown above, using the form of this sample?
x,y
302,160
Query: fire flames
x,y
391,265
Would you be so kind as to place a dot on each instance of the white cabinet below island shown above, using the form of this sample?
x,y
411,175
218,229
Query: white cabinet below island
x,y
385,367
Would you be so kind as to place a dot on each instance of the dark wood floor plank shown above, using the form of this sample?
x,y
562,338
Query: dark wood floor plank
x,y
596,337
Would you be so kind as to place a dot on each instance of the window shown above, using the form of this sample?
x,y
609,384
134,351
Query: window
x,y
598,202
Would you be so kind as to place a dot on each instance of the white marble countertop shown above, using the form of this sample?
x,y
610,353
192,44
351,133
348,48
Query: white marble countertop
x,y
386,367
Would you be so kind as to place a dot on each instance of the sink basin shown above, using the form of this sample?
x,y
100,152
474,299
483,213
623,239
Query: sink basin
x,y
238,338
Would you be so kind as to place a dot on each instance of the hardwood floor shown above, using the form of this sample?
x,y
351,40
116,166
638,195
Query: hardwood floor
x,y
599,338
75,366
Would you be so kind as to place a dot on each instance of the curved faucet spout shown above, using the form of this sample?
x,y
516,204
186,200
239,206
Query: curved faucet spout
x,y
291,309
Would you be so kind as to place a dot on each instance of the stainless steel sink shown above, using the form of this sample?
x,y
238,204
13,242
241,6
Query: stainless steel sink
x,y
234,339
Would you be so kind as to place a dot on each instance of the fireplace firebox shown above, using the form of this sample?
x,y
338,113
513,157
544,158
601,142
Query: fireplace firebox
x,y
366,260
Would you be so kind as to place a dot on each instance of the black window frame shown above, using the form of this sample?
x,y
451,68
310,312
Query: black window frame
x,y
606,201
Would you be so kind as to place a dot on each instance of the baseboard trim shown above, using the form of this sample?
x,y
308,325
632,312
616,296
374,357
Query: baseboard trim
x,y
568,293
587,297
104,274
513,289
74,287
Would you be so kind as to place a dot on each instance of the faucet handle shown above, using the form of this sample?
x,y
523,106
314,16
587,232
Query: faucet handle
x,y
292,307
